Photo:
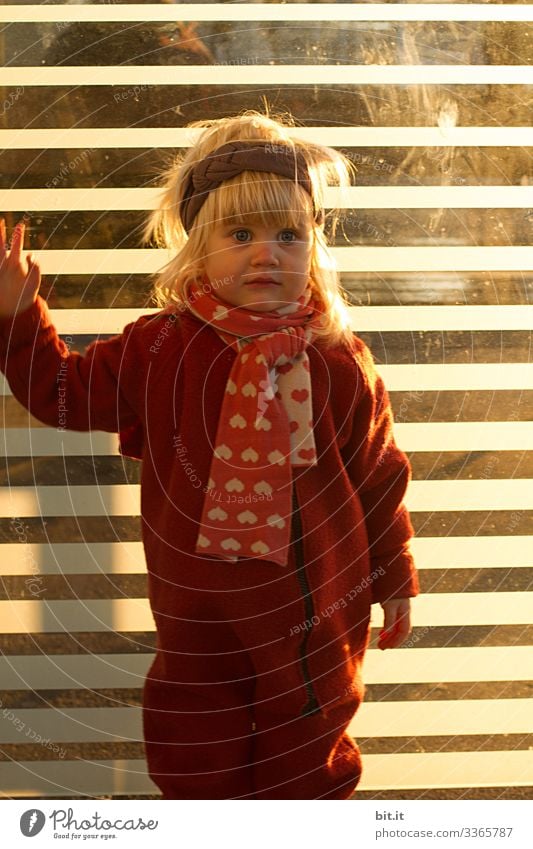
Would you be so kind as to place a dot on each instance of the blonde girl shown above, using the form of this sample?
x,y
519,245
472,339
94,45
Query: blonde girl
x,y
271,486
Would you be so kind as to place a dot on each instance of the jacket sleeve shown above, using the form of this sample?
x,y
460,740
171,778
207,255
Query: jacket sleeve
x,y
65,389
380,473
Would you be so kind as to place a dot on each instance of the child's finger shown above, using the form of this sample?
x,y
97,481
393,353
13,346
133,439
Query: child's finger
x,y
396,641
389,620
387,643
17,241
401,633
394,636
2,234
34,275
386,636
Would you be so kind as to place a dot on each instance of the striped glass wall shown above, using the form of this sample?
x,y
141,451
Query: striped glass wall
x,y
432,102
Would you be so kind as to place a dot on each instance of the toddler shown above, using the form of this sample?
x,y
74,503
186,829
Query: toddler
x,y
271,485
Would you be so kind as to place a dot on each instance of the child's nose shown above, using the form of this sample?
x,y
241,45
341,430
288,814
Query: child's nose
x,y
266,253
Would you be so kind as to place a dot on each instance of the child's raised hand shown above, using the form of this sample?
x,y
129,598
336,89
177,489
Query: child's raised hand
x,y
396,624
19,279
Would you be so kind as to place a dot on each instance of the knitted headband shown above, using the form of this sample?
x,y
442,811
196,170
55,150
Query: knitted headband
x,y
232,159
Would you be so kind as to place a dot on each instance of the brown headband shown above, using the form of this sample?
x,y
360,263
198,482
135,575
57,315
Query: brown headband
x,y
232,159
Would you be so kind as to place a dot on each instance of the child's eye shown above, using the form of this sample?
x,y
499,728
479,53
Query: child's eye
x,y
241,235
288,236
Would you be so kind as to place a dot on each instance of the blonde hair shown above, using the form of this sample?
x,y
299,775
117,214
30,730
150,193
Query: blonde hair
x,y
273,200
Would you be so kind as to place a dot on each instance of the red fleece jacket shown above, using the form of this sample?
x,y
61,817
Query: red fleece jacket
x,y
161,383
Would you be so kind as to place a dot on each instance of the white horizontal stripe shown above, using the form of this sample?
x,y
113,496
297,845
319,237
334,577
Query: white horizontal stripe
x,y
470,136
411,319
75,725
442,665
124,499
490,552
373,719
70,558
470,495
106,500
443,609
383,319
176,137
78,672
414,719
39,779
80,199
464,436
21,558
411,436
355,197
398,378
72,76
413,258
104,261
105,320
44,617
429,197
125,614
300,12
401,666
75,778
44,441
435,258
457,376
447,769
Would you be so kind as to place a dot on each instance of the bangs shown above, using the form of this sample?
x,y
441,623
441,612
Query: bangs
x,y
258,197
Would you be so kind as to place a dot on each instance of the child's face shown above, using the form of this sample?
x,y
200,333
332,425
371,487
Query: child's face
x,y
239,252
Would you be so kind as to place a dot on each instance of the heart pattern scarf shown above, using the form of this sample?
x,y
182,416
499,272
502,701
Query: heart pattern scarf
x,y
265,426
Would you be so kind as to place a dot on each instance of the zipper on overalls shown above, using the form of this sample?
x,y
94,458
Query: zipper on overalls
x,y
312,705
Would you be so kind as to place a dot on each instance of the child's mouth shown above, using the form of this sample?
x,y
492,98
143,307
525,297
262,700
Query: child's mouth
x,y
262,281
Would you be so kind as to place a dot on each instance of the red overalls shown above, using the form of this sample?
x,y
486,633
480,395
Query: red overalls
x,y
257,670
243,719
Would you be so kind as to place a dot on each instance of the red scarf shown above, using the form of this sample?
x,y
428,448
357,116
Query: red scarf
x,y
265,427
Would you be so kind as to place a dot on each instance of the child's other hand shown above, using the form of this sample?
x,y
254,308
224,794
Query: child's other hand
x,y
19,279
396,624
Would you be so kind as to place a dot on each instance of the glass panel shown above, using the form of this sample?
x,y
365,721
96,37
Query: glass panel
x,y
326,105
